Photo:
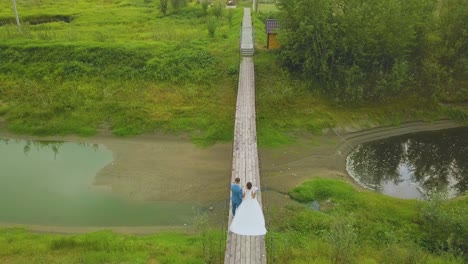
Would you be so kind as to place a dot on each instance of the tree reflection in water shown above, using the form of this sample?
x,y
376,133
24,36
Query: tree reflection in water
x,y
44,144
433,161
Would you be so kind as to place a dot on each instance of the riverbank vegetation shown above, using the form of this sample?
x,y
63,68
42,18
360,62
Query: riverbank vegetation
x,y
130,67
350,227
366,227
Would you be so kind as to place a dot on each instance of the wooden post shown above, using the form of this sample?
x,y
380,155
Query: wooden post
x,y
16,14
254,5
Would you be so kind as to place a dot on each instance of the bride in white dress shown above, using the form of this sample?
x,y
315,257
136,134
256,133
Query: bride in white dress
x,y
249,219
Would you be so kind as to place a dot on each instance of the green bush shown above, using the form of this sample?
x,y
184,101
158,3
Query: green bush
x,y
323,189
342,237
444,225
182,64
212,25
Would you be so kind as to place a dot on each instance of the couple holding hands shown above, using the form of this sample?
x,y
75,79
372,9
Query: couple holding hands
x,y
248,216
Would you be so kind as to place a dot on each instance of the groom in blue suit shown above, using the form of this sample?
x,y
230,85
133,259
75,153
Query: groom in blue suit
x,y
236,196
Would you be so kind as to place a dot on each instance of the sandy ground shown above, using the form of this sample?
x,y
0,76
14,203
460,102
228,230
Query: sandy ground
x,y
325,156
166,168
170,168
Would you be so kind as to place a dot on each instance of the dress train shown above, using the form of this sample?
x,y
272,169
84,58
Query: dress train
x,y
249,219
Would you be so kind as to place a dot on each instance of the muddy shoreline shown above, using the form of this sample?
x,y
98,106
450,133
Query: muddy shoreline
x,y
325,155
161,167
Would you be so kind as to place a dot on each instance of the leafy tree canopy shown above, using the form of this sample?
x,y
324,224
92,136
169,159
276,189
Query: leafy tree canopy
x,y
357,50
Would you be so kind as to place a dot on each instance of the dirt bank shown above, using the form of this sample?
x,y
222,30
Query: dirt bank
x,y
324,156
159,167
170,168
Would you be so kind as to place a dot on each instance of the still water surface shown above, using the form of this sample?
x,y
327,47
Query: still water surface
x,y
413,165
51,183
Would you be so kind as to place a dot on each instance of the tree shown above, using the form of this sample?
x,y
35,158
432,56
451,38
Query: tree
x,y
453,17
353,50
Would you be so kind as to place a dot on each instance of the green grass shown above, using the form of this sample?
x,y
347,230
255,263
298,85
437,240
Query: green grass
x,y
121,66
81,67
351,227
267,8
21,246
366,227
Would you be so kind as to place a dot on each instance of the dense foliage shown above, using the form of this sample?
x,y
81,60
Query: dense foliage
x,y
371,50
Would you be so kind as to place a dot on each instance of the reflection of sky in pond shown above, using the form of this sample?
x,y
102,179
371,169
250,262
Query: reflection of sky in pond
x,y
411,165
404,188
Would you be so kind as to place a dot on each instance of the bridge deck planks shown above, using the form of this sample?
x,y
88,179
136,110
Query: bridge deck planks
x,y
245,249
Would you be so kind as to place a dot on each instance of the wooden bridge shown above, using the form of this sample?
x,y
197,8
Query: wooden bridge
x,y
245,249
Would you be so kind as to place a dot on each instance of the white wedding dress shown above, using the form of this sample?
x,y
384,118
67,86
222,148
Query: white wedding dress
x,y
249,219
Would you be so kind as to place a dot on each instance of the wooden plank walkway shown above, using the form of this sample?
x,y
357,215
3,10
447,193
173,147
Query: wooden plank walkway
x,y
245,249
247,47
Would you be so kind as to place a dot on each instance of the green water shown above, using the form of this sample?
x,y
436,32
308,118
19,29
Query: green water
x,y
51,183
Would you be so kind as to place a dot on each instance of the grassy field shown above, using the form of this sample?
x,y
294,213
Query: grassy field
x,y
21,246
118,65
83,67
366,227
351,227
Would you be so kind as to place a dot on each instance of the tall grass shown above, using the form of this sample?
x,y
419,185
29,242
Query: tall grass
x,y
351,227
366,227
121,66
80,67
21,246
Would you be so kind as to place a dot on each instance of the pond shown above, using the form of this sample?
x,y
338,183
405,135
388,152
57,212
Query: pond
x,y
51,183
413,165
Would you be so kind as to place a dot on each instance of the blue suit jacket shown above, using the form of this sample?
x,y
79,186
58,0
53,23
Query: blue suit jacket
x,y
236,193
